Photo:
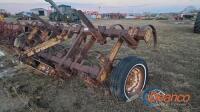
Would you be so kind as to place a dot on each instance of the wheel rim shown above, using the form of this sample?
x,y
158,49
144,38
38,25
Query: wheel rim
x,y
135,81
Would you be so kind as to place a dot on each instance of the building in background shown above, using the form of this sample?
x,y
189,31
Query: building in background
x,y
113,15
130,16
92,15
2,10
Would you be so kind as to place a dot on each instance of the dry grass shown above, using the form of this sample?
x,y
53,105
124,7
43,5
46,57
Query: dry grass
x,y
174,68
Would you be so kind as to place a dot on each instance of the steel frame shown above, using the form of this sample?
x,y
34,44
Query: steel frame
x,y
65,62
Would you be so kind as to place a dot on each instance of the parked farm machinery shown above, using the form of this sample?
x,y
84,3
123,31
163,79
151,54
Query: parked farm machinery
x,y
61,50
63,13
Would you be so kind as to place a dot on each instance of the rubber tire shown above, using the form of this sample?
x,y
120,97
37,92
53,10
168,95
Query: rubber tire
x,y
197,24
120,73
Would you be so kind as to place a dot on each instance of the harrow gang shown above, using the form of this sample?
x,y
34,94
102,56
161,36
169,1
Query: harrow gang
x,y
42,45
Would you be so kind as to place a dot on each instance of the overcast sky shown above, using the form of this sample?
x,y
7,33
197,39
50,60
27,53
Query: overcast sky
x,y
107,5
115,2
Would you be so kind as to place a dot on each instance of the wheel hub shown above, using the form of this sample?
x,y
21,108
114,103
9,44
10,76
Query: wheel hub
x,y
134,82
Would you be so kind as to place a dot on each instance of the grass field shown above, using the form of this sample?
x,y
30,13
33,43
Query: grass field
x,y
174,67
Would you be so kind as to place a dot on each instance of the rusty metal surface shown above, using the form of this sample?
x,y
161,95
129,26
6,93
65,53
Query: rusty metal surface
x,y
8,32
42,45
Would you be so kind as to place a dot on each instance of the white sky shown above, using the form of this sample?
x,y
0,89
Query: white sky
x,y
116,2
127,6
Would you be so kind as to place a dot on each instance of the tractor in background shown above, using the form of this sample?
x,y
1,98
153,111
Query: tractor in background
x,y
63,13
